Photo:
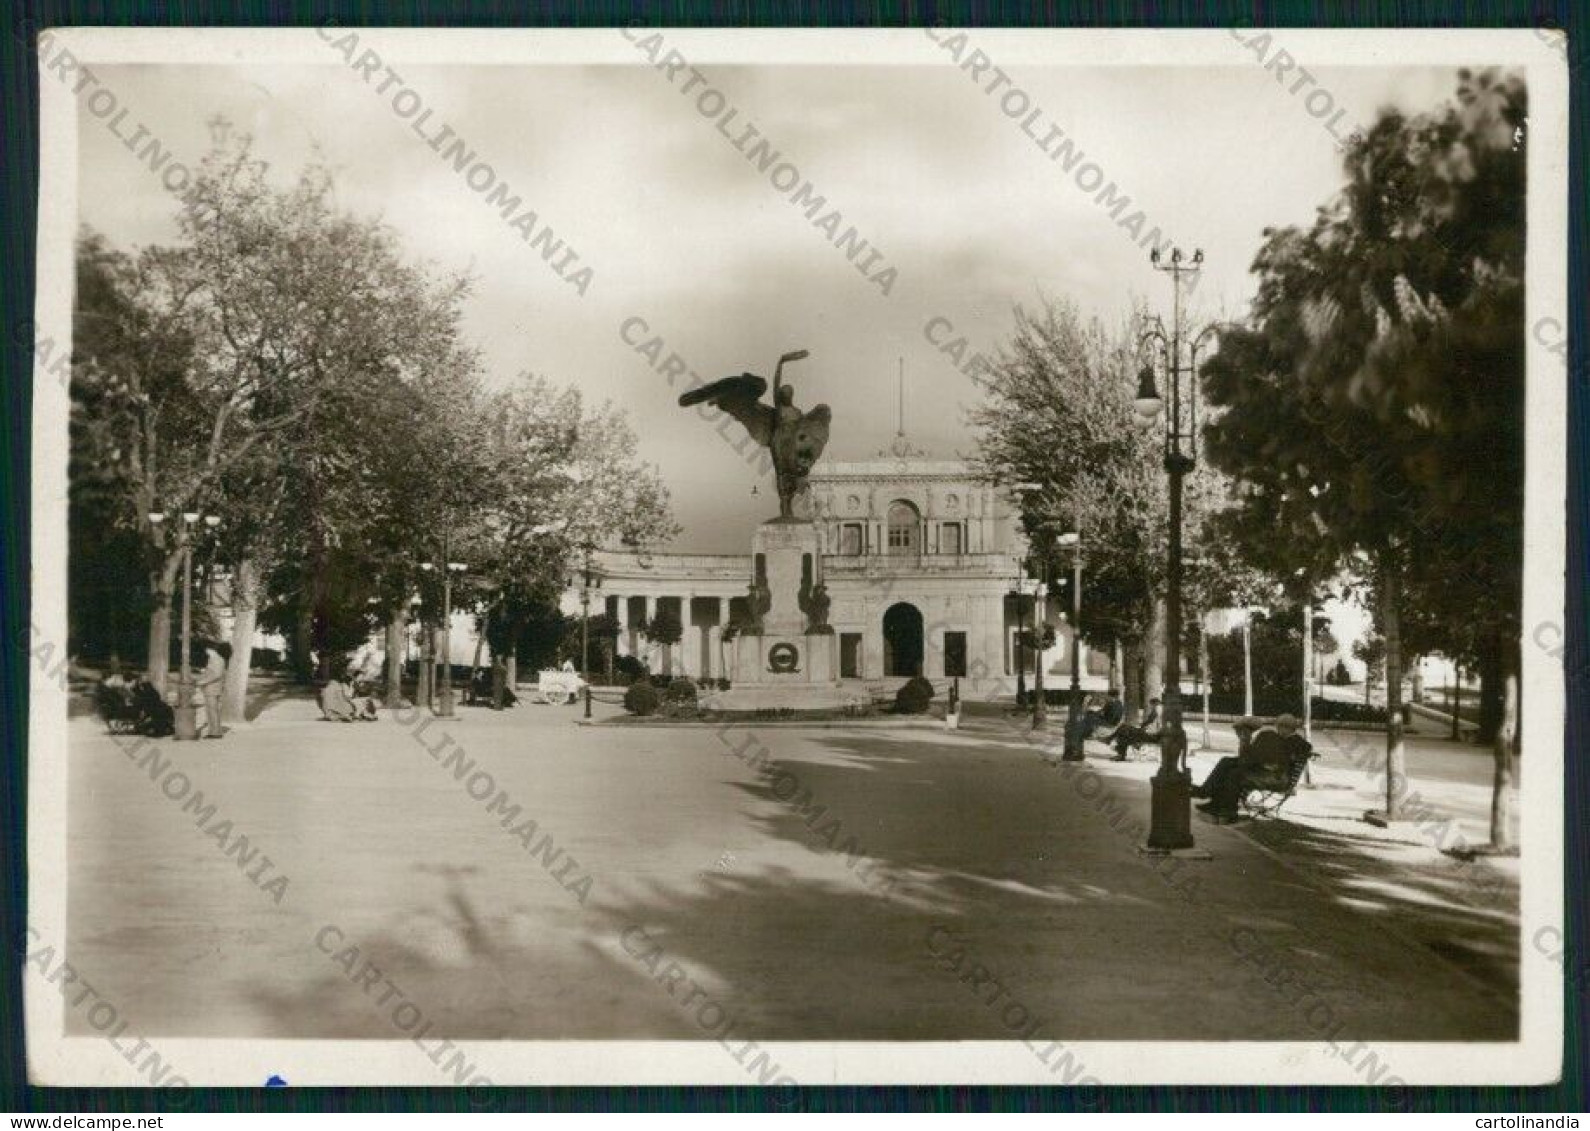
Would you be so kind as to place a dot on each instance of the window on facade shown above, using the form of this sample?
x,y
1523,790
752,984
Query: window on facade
x,y
950,538
955,654
850,539
903,528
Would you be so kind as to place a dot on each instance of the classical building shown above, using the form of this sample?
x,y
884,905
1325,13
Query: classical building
x,y
921,558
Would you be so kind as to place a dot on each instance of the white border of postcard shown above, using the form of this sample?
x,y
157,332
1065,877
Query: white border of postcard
x,y
56,1059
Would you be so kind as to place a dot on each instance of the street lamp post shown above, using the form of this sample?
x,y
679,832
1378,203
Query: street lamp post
x,y
1170,819
1021,632
1023,491
1040,629
185,724
590,579
444,684
1073,745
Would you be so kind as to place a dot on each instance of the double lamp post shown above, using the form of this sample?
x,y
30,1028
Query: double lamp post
x,y
1170,818
186,720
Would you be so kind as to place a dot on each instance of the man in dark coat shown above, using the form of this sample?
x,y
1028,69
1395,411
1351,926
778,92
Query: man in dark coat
x,y
1270,749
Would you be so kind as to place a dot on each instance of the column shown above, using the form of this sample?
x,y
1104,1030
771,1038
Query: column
x,y
872,641
690,639
721,661
647,652
623,646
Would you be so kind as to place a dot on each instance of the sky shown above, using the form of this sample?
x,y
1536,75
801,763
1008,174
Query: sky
x,y
682,231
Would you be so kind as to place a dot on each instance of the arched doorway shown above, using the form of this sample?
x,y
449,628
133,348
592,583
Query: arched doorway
x,y
902,640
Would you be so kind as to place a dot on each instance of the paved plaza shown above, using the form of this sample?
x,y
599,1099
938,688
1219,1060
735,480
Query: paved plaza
x,y
948,879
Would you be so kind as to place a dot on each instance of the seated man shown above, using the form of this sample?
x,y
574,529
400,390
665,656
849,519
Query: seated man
x,y
1270,749
152,715
1130,737
1107,717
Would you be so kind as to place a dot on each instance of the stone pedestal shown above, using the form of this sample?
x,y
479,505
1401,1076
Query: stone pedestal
x,y
784,666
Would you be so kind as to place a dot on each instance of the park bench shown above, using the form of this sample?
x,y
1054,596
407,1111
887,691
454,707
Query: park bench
x,y
134,709
1266,790
116,708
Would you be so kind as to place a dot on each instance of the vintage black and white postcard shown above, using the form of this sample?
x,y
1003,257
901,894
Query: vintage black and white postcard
x,y
798,557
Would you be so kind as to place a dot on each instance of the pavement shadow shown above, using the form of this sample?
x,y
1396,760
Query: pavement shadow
x,y
1468,915
930,857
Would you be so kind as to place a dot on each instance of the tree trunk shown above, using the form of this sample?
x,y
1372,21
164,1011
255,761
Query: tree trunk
x,y
246,585
1203,675
1308,672
1131,684
426,694
1155,674
1247,665
1505,748
1396,763
510,670
474,664
303,641
1417,668
163,585
396,635
1115,663
1492,691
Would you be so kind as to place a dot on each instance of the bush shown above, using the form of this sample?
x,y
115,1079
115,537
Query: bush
x,y
641,698
680,689
627,669
1339,676
913,697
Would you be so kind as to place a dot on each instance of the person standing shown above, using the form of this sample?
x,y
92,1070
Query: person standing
x,y
211,681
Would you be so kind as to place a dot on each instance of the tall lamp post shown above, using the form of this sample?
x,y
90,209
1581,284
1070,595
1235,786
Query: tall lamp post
x,y
1072,540
1040,632
1022,490
1170,818
185,724
444,694
590,578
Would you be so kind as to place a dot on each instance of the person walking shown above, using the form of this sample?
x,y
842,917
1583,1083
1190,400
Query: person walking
x,y
211,680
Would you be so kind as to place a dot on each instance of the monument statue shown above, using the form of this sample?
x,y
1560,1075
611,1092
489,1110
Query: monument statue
x,y
795,439
815,603
761,600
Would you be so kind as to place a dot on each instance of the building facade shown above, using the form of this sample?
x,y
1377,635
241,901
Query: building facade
x,y
921,558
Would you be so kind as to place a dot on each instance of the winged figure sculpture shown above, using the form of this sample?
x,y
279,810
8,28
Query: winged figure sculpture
x,y
795,439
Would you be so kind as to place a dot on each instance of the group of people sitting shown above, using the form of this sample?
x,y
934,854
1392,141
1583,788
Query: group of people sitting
x,y
135,704
1266,752
344,701
1107,715
480,689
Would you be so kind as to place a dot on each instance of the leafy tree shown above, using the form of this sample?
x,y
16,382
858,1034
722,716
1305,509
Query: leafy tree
x,y
1372,406
1057,413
